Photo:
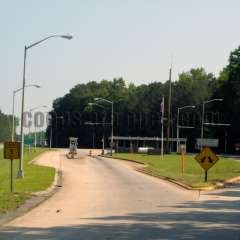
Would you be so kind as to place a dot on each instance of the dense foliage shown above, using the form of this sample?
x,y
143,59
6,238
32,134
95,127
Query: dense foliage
x,y
137,108
5,127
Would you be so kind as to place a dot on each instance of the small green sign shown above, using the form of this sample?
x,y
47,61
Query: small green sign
x,y
28,141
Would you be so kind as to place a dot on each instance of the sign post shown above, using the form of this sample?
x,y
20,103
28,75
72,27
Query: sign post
x,y
206,158
205,175
11,152
29,142
182,149
11,176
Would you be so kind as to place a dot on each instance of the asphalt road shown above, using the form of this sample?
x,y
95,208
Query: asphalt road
x,y
107,199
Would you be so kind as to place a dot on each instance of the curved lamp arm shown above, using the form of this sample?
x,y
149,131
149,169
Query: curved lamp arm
x,y
69,37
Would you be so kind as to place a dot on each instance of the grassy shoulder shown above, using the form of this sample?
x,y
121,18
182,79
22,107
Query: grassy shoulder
x,y
193,175
36,178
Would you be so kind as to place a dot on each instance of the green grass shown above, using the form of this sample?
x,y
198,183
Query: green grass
x,y
36,178
9,201
193,175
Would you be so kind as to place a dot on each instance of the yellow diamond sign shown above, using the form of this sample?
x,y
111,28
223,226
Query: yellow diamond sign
x,y
206,158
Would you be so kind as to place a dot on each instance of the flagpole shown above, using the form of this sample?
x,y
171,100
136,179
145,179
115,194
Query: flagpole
x,y
169,111
162,109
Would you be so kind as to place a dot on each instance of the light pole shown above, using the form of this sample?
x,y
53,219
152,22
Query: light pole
x,y
20,169
35,129
13,108
57,117
178,126
50,139
98,105
110,102
203,116
50,121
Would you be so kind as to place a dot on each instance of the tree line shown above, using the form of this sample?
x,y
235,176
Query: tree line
x,y
5,127
137,108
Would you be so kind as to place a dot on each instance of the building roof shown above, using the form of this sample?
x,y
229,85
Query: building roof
x,y
147,139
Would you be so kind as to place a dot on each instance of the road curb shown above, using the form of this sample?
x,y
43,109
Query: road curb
x,y
232,180
127,160
182,185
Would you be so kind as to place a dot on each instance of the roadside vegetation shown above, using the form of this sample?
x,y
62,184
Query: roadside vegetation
x,y
193,175
37,178
137,107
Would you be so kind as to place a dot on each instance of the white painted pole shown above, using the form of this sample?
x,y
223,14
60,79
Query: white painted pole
x,y
13,118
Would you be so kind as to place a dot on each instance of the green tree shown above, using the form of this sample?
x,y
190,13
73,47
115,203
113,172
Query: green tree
x,y
229,90
193,87
5,127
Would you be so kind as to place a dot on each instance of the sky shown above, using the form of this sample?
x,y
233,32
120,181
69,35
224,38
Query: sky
x,y
133,39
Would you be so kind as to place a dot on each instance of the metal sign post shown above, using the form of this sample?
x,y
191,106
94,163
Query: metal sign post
x,y
206,172
183,150
11,176
11,152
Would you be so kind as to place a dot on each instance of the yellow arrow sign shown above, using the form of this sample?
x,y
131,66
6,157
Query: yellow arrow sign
x,y
206,158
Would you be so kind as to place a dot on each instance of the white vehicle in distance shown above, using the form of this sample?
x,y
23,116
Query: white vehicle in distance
x,y
144,149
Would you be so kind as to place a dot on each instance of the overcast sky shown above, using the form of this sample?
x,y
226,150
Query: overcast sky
x,y
133,39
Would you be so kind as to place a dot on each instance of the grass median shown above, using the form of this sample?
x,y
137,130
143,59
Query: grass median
x,y
193,175
36,178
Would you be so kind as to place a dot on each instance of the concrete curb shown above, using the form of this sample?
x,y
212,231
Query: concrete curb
x,y
182,185
35,200
134,161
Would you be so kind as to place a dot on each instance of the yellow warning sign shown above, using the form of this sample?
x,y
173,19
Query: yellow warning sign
x,y
206,158
11,150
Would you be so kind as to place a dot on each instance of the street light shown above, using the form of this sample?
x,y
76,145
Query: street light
x,y
35,134
103,139
179,109
51,129
95,104
13,107
110,102
203,115
20,170
50,121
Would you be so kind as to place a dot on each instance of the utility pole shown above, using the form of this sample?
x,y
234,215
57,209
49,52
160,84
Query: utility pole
x,y
169,110
162,122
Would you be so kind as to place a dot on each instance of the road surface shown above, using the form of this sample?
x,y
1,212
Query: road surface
x,y
107,199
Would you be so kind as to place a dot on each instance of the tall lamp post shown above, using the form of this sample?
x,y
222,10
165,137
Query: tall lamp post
x,y
50,124
50,121
98,105
69,37
178,126
13,107
110,102
50,141
203,116
57,117
35,134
